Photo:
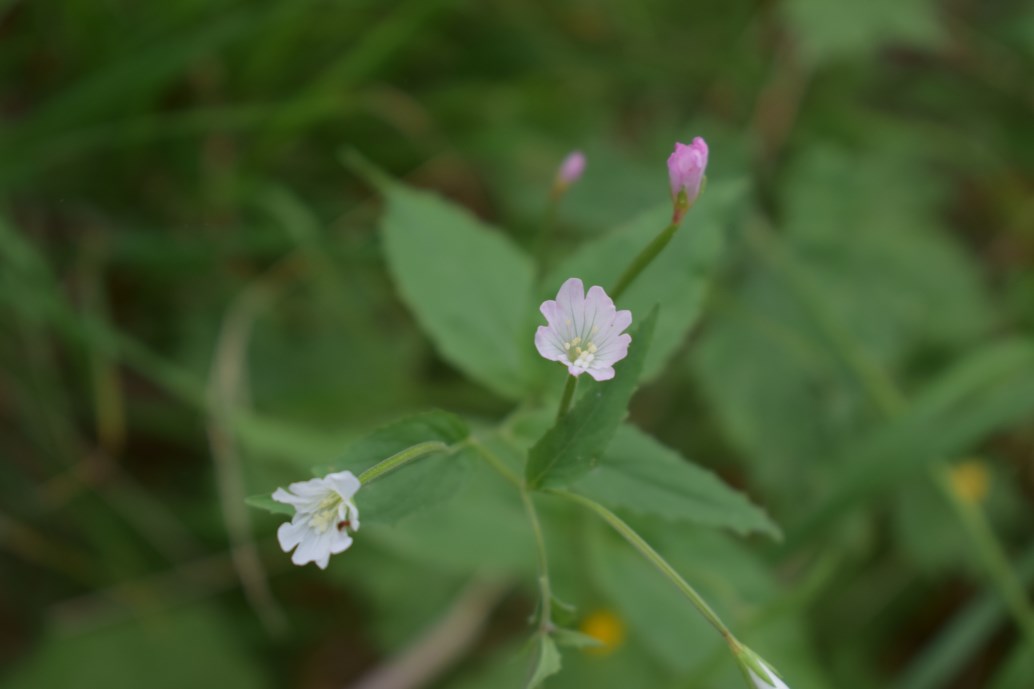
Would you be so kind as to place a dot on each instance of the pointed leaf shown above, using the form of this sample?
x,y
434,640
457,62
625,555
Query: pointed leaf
x,y
427,481
267,503
641,475
468,285
546,661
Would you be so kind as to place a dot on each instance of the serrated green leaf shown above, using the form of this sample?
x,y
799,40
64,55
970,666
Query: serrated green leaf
x,y
546,661
468,285
678,279
639,474
267,503
425,482
574,445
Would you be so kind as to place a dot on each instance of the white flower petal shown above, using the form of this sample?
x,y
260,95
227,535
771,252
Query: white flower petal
x,y
314,547
341,541
602,373
344,483
308,489
300,504
352,514
292,533
776,683
321,505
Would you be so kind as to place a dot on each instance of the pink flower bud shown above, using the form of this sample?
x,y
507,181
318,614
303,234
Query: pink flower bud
x,y
571,169
686,171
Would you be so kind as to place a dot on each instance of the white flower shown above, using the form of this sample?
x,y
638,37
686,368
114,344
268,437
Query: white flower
x,y
324,516
760,683
585,332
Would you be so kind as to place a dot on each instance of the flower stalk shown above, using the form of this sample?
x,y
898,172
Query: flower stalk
x,y
655,559
400,459
686,167
545,589
645,258
566,397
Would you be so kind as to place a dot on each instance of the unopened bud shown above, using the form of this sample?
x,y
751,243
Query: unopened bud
x,y
686,166
757,671
570,171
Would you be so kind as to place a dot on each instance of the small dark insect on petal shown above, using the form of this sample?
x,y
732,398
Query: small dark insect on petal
x,y
344,524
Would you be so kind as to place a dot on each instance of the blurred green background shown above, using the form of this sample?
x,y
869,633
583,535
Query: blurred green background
x,y
194,306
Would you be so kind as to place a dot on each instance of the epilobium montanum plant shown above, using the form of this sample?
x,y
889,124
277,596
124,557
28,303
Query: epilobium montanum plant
x,y
467,286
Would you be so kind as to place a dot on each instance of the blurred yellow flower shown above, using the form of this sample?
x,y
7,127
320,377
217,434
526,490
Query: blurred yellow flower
x,y
971,481
605,627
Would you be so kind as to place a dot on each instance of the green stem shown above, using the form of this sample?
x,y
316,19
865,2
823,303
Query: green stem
x,y
546,232
888,399
654,558
545,591
495,462
565,399
401,459
645,258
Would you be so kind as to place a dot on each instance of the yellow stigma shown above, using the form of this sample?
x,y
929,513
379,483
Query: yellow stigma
x,y
607,628
971,481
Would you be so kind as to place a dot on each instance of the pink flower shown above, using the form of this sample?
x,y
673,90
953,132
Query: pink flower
x,y
685,172
571,169
585,332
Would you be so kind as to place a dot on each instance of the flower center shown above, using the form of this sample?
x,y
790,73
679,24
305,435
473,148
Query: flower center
x,y
581,353
326,514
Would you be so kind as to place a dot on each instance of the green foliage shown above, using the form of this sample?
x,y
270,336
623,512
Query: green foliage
x,y
639,474
197,303
190,647
469,286
426,482
574,445
546,661
267,503
829,30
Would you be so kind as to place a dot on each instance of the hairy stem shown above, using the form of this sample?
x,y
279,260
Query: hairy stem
x,y
565,399
545,590
655,559
645,258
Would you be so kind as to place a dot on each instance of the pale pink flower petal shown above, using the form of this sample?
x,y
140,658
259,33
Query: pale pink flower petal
x,y
583,331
